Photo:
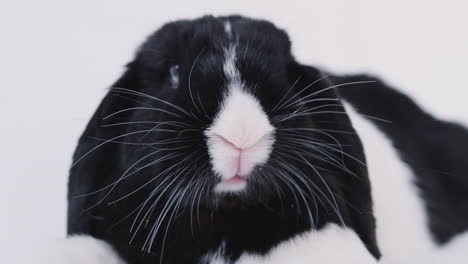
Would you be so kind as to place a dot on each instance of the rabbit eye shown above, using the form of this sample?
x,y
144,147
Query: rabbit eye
x,y
174,76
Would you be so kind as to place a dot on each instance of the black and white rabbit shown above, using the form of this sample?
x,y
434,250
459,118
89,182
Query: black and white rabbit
x,y
216,146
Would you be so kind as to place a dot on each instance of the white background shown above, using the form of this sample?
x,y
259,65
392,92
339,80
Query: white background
x,y
58,57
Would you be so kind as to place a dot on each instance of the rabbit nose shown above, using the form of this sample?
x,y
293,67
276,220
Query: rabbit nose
x,y
241,136
240,160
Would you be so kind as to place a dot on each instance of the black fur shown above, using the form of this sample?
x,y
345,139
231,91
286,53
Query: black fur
x,y
270,211
436,151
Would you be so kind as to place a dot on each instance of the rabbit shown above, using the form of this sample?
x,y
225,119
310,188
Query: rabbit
x,y
216,139
217,146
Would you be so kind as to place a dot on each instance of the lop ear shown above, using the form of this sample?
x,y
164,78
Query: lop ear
x,y
357,190
353,185
89,167
112,102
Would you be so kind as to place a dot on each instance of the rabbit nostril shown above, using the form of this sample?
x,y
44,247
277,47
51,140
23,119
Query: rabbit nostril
x,y
240,147
230,143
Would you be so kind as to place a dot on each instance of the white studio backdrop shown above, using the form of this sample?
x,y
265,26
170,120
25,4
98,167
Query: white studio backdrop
x,y
58,57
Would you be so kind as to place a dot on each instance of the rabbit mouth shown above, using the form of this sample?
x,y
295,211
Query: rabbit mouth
x,y
233,184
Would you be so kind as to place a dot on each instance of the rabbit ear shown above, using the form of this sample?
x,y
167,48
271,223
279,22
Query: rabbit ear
x,y
112,102
356,191
354,185
117,99
88,165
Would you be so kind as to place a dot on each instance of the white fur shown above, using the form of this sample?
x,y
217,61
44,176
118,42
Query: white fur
x,y
230,188
228,28
74,250
241,136
402,231
229,67
216,257
330,245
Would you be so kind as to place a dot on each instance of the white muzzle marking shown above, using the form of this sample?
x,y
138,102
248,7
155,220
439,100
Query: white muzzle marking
x,y
241,136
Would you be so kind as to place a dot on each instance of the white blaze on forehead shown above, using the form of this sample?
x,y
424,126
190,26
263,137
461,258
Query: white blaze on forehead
x,y
241,126
229,67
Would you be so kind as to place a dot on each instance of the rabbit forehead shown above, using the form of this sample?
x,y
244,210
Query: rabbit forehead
x,y
184,39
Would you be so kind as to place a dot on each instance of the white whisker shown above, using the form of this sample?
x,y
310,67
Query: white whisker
x,y
300,92
141,108
128,91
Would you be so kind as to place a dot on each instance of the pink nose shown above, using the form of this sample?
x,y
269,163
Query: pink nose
x,y
230,143
240,149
